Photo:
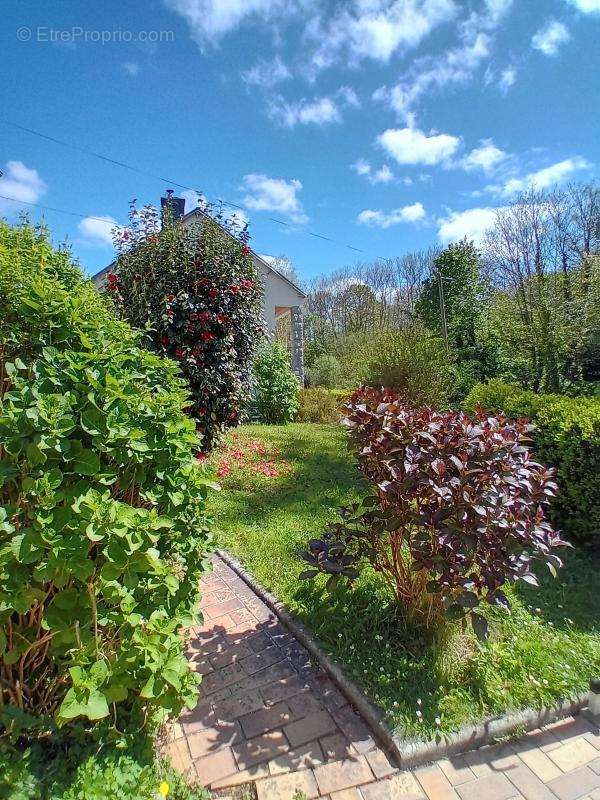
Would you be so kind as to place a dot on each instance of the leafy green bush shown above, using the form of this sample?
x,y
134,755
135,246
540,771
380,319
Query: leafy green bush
x,y
57,772
196,291
566,435
411,362
103,532
320,405
325,372
276,391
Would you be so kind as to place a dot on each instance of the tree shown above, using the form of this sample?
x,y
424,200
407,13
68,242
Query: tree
x,y
196,292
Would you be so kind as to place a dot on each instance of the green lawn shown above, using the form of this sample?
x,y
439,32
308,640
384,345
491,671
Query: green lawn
x,y
548,648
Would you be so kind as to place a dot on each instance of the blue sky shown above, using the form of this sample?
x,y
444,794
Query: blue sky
x,y
387,125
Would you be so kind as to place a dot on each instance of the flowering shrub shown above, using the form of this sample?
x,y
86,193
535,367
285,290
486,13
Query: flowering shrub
x,y
103,533
197,293
277,388
458,510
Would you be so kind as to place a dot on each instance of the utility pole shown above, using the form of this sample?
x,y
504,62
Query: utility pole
x,y
443,310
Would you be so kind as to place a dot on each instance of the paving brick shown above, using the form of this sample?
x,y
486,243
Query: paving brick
x,y
569,728
204,645
478,763
595,765
241,777
380,764
336,747
217,610
492,787
538,762
301,705
502,757
260,748
266,719
242,615
283,787
179,755
218,625
282,689
216,596
340,775
215,766
199,718
257,661
235,707
207,741
307,756
456,770
283,669
403,786
353,727
435,784
545,740
574,754
573,785
347,794
259,641
228,655
309,728
530,786
200,664
222,678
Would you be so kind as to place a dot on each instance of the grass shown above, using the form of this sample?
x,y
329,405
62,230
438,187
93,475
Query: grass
x,y
281,484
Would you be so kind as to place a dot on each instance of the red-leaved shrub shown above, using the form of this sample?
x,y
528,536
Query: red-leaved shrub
x,y
458,508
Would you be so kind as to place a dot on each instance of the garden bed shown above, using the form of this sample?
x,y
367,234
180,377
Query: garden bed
x,y
284,483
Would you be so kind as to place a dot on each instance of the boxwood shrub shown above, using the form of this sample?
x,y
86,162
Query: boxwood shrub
x,y
321,405
103,533
566,435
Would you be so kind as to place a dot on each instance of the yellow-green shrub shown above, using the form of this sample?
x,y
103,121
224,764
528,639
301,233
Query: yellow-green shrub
x,y
321,405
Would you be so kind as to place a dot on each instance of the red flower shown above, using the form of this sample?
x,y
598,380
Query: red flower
x,y
112,279
200,457
204,316
169,298
153,239
202,411
232,414
234,289
179,352
222,318
246,250
213,293
207,336
165,340
247,284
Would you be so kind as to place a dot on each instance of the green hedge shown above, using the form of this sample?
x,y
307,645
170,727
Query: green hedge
x,y
321,405
567,436
103,530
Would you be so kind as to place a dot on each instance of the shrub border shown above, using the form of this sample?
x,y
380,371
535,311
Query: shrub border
x,y
409,753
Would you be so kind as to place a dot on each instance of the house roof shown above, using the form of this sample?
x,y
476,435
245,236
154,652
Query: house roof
x,y
198,212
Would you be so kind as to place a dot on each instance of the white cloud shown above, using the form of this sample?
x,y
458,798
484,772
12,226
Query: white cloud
x,y
507,78
319,111
472,223
550,37
486,157
374,29
210,20
131,68
267,74
22,184
274,194
543,178
586,6
412,146
383,175
98,230
413,213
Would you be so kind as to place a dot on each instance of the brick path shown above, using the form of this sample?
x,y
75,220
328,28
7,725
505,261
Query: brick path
x,y
269,716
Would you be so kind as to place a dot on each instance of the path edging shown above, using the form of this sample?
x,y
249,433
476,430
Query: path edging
x,y
409,753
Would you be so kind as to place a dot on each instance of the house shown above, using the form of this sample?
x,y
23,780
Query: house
x,y
282,299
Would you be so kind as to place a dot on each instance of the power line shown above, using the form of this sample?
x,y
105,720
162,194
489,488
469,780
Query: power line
x,y
51,208
153,176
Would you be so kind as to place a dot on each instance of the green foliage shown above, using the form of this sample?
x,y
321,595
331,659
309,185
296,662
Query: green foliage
x,y
196,291
458,269
74,772
411,362
566,435
103,532
325,372
544,651
276,391
320,405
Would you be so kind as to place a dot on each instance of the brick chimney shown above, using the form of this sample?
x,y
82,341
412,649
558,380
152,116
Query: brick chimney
x,y
176,204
